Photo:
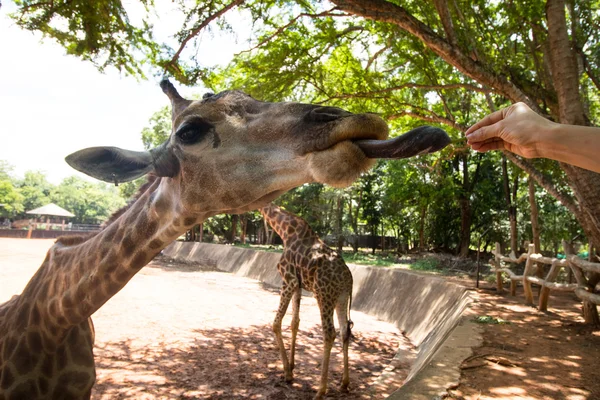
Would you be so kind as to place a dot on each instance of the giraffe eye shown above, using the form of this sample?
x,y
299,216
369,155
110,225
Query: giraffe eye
x,y
193,131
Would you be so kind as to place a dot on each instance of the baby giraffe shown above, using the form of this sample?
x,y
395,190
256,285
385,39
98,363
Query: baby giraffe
x,y
308,263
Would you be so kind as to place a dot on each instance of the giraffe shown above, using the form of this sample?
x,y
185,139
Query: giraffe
x,y
308,263
227,153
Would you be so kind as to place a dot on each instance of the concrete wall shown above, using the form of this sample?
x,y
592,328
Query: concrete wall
x,y
424,307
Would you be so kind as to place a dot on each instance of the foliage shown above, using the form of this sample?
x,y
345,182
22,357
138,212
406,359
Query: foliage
x,y
11,200
35,189
6,170
158,129
98,31
90,202
339,54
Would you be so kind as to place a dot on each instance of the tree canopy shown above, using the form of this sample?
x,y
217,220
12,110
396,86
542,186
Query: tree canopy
x,y
446,63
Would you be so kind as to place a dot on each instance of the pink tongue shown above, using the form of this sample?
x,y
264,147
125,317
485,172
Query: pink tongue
x,y
421,140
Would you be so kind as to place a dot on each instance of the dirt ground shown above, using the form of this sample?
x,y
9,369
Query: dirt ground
x,y
534,355
179,332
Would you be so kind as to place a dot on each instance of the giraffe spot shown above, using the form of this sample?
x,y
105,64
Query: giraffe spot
x,y
47,367
122,276
61,358
24,391
8,348
114,286
155,244
23,360
119,236
7,378
75,379
62,392
162,205
43,385
68,301
128,246
151,228
34,340
73,336
139,260
82,355
189,221
98,295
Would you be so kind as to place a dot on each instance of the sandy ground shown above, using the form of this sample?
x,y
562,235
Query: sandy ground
x,y
179,332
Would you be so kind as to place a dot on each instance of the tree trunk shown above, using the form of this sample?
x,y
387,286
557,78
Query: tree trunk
x,y
512,209
585,184
422,226
338,226
465,210
354,221
535,229
465,227
244,227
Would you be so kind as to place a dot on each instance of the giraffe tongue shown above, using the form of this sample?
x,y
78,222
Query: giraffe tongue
x,y
421,140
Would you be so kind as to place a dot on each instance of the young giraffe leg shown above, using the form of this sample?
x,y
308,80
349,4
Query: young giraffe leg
x,y
341,310
287,291
295,323
328,339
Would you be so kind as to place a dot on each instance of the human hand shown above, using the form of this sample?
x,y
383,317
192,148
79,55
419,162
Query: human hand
x,y
516,128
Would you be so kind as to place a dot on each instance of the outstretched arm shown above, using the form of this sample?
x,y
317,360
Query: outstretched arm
x,y
520,130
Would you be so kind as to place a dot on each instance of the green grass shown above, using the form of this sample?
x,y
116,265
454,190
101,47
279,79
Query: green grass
x,y
487,319
363,258
426,265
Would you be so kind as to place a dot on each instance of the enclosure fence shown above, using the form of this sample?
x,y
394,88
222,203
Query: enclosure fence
x,y
532,261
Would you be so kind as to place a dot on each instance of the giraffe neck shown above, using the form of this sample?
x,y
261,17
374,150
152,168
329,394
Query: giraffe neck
x,y
79,276
287,225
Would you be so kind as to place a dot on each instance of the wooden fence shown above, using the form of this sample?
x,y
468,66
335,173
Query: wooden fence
x,y
548,284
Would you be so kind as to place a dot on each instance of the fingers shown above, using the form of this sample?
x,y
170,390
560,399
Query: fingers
x,y
487,120
494,144
485,133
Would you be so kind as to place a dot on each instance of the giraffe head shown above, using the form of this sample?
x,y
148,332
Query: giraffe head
x,y
229,152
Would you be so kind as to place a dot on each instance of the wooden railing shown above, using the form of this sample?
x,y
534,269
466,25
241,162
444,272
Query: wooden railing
x,y
548,284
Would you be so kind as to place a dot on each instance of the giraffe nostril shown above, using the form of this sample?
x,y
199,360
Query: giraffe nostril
x,y
326,114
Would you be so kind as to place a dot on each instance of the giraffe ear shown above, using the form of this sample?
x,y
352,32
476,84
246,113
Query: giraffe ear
x,y
114,165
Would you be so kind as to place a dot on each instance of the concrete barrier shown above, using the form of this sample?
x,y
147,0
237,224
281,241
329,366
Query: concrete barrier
x,y
425,308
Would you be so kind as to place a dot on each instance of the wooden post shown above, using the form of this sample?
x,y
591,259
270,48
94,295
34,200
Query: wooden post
x,y
29,231
499,286
513,287
478,261
526,273
201,232
545,292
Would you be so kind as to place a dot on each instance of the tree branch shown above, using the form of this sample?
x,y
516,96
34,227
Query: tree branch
x,y
431,118
588,68
544,182
376,55
466,86
383,11
196,31
328,13
444,13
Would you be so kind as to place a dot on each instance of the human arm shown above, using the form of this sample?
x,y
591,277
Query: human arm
x,y
520,130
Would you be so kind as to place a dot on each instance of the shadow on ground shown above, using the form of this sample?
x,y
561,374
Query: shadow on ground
x,y
237,363
535,355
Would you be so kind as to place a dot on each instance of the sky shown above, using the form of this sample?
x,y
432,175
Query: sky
x,y
52,104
